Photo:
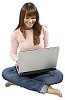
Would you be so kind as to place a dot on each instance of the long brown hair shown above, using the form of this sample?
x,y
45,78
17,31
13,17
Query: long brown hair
x,y
29,9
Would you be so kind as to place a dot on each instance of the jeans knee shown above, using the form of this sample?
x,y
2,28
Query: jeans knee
x,y
60,78
4,73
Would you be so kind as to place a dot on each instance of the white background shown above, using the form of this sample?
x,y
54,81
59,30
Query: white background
x,y
52,15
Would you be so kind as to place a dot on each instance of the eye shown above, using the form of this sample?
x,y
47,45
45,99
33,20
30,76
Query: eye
x,y
33,17
27,17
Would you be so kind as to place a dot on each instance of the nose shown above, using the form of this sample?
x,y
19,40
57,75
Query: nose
x,y
30,20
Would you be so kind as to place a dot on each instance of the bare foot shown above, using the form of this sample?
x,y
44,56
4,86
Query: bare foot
x,y
54,91
8,84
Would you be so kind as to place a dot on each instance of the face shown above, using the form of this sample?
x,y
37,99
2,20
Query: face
x,y
29,21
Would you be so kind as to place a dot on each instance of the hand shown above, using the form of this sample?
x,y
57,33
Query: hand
x,y
17,63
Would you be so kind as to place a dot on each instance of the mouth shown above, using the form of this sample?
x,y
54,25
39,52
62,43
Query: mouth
x,y
29,24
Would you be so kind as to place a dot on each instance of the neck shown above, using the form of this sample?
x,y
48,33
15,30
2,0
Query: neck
x,y
28,28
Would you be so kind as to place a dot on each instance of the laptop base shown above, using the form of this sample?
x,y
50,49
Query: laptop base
x,y
37,72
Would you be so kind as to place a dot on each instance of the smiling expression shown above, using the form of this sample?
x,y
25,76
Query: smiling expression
x,y
29,21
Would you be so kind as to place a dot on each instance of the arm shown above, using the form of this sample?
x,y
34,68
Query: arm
x,y
14,47
45,31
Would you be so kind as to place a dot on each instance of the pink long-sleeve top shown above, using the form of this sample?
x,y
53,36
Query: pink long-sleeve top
x,y
18,41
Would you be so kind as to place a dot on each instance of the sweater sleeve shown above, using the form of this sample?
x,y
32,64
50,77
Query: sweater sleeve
x,y
14,46
45,32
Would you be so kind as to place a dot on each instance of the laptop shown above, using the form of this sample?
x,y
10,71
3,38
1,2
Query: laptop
x,y
37,61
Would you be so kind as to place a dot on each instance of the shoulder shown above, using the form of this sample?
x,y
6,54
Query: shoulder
x,y
17,35
44,31
44,28
15,32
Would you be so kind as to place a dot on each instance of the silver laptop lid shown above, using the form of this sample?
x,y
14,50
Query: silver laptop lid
x,y
38,59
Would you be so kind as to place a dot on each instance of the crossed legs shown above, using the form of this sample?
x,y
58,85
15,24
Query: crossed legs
x,y
52,77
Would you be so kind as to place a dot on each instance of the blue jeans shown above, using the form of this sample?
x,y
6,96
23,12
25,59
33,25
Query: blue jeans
x,y
38,83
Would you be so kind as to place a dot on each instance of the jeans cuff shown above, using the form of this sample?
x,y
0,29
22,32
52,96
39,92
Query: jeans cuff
x,y
44,89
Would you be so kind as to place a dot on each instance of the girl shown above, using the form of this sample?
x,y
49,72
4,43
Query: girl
x,y
30,35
